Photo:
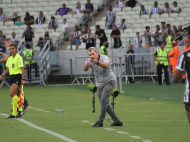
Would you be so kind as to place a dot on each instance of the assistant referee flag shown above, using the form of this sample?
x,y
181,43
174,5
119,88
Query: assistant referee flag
x,y
21,98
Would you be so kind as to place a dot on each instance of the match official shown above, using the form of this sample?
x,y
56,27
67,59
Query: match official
x,y
105,82
15,67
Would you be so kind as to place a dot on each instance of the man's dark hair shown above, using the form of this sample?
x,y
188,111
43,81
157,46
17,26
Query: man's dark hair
x,y
175,2
110,6
86,25
65,20
163,23
52,17
14,45
27,13
147,27
27,46
123,20
168,25
97,26
169,32
185,28
18,17
162,42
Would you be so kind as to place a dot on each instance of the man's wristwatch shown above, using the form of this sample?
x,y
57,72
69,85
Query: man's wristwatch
x,y
97,63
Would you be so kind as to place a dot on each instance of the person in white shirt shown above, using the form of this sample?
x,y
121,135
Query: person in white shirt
x,y
120,4
110,18
138,40
79,9
176,9
14,38
166,9
64,25
155,9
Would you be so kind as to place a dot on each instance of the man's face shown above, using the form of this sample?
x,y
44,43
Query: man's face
x,y
88,1
114,28
78,4
93,55
179,27
13,34
142,8
52,19
155,4
174,4
163,25
97,29
1,11
168,27
148,29
129,47
187,44
162,45
157,27
88,31
6,44
64,5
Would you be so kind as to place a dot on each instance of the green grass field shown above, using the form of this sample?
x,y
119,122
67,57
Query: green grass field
x,y
149,112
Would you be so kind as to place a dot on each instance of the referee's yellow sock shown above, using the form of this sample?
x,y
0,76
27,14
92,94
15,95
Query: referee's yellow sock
x,y
20,109
14,103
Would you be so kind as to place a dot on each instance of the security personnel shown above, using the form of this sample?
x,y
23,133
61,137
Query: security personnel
x,y
103,49
174,54
161,58
185,49
169,41
28,56
15,67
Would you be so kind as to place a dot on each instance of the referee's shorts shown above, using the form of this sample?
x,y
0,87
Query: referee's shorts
x,y
16,79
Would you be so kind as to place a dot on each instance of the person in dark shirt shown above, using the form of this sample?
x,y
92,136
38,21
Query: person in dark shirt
x,y
89,8
101,35
28,20
130,63
40,19
28,34
2,38
116,35
179,32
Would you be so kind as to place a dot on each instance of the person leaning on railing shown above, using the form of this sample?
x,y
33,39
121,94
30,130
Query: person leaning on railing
x,y
161,58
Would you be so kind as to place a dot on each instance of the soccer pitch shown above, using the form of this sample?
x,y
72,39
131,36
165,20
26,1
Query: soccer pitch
x,y
149,112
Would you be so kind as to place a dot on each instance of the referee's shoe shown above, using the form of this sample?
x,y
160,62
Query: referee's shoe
x,y
117,124
20,113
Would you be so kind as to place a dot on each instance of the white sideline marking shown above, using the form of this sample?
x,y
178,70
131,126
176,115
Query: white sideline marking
x,y
110,129
147,141
42,129
136,137
40,109
152,98
121,132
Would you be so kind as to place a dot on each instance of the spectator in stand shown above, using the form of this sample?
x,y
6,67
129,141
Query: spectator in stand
x,y
63,10
166,9
132,3
174,32
129,61
89,8
138,40
47,33
184,37
40,19
110,18
101,35
79,9
19,22
28,20
169,40
89,37
164,31
2,38
176,9
147,35
3,16
13,17
116,35
143,11
75,34
179,32
155,9
120,4
40,43
168,26
29,35
122,26
103,49
52,24
47,38
157,35
64,25
14,38
83,33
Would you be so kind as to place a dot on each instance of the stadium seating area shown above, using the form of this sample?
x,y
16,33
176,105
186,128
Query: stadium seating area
x,y
33,7
133,22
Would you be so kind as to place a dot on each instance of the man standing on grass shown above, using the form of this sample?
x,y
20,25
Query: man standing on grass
x,y
105,82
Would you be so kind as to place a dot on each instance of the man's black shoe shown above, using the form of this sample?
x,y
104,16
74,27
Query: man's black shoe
x,y
20,113
11,116
98,124
168,83
117,124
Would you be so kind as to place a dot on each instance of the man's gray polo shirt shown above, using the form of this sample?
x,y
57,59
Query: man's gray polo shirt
x,y
102,75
